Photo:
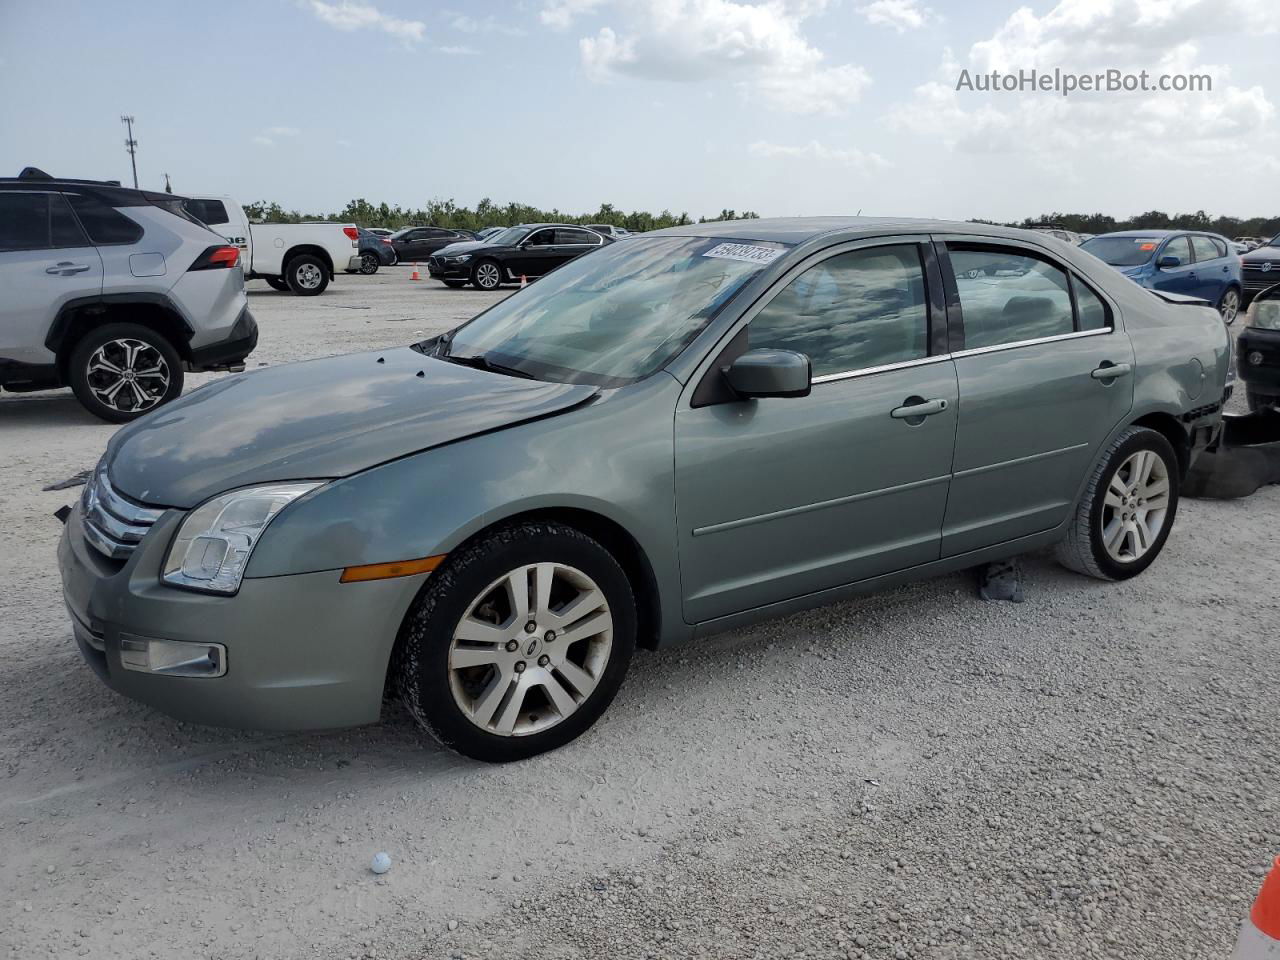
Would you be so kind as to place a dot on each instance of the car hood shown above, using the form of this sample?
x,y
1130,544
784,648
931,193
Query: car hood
x,y
462,246
319,419
1261,254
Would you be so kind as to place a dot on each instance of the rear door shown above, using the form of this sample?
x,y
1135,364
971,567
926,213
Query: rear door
x,y
45,261
1182,278
782,497
1044,373
573,242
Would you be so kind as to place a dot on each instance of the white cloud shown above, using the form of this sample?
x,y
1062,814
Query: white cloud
x,y
559,14
1082,134
264,141
459,51
902,15
853,158
282,131
761,46
353,15
490,24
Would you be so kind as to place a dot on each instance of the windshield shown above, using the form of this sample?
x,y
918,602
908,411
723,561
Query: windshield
x,y
1122,251
1274,241
509,236
615,315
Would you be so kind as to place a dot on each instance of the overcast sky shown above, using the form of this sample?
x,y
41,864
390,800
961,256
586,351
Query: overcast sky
x,y
783,107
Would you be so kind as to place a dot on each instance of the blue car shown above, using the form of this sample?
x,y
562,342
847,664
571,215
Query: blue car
x,y
1194,264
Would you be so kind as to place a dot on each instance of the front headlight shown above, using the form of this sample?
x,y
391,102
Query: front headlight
x,y
459,259
1264,312
214,543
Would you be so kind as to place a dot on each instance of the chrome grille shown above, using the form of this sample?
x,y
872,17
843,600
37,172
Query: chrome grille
x,y
114,525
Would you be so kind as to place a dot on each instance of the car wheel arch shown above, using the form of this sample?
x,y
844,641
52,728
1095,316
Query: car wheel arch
x,y
154,311
1171,428
306,249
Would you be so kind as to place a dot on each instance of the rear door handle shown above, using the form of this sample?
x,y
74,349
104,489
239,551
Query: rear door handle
x,y
919,409
66,268
1109,370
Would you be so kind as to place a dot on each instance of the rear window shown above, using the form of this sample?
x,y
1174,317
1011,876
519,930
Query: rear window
x,y
103,224
208,212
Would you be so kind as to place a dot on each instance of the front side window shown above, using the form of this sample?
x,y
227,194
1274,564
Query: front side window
x,y
865,308
1007,297
103,224
542,238
613,317
1179,247
1204,249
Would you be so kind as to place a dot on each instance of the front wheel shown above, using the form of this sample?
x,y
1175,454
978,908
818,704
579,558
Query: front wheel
x,y
487,275
1124,517
518,643
123,370
307,275
1229,306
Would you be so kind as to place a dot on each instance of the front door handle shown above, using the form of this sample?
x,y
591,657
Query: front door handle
x,y
1109,370
917,408
66,268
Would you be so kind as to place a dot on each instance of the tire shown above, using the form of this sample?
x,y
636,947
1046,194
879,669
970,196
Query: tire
x,y
108,393
1229,305
1261,402
1085,548
456,284
473,708
306,275
277,283
369,264
487,275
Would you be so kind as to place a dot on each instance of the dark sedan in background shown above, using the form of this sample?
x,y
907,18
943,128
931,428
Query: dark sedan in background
x,y
415,244
375,251
525,251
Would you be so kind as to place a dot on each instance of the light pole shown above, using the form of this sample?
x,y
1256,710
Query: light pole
x,y
132,146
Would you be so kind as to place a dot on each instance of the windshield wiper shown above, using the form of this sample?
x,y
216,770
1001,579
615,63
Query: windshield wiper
x,y
480,362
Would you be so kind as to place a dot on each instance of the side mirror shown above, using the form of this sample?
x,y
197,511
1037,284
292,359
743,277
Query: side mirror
x,y
770,373
1168,262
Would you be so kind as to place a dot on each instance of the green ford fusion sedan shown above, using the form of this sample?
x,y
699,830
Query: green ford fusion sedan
x,y
686,432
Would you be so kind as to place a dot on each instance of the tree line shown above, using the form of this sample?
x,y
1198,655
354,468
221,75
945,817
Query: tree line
x,y
447,213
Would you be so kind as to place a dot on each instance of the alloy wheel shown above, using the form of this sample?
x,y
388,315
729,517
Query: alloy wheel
x,y
369,264
530,649
128,375
1135,506
1229,307
308,276
487,275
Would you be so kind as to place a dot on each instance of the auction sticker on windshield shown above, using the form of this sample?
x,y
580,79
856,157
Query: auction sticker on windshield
x,y
744,251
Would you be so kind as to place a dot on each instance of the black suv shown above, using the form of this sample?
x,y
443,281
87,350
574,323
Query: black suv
x,y
415,244
525,251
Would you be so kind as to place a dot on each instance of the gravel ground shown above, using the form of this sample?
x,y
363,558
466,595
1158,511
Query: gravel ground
x,y
918,774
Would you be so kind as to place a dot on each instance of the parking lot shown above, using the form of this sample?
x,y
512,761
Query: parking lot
x,y
916,774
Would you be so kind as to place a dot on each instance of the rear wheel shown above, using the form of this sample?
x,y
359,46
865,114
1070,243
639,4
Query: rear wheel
x,y
518,643
369,264
307,275
123,370
487,275
277,283
1124,517
1229,306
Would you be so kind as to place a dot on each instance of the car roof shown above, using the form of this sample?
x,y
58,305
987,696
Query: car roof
x,y
109,192
795,230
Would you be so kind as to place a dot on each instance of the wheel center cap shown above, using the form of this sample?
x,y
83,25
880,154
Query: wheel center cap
x,y
532,647
130,376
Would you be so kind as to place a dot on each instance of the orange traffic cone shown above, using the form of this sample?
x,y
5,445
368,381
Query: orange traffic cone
x,y
1260,932
523,281
415,275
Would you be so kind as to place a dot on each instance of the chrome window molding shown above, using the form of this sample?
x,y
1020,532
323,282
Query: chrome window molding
x,y
997,347
882,368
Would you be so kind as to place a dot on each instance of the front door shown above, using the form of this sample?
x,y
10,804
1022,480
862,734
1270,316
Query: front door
x,y
537,254
1182,278
778,498
1042,384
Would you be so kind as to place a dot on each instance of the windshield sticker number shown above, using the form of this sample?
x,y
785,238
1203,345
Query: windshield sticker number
x,y
744,252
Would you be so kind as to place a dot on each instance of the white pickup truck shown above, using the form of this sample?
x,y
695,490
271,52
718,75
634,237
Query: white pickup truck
x,y
302,257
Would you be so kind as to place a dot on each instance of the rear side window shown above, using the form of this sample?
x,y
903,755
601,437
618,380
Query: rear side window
x,y
1006,297
37,221
103,224
1091,311
1205,249
567,236
864,308
208,212
1221,245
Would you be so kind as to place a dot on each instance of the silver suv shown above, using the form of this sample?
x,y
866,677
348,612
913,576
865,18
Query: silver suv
x,y
113,292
